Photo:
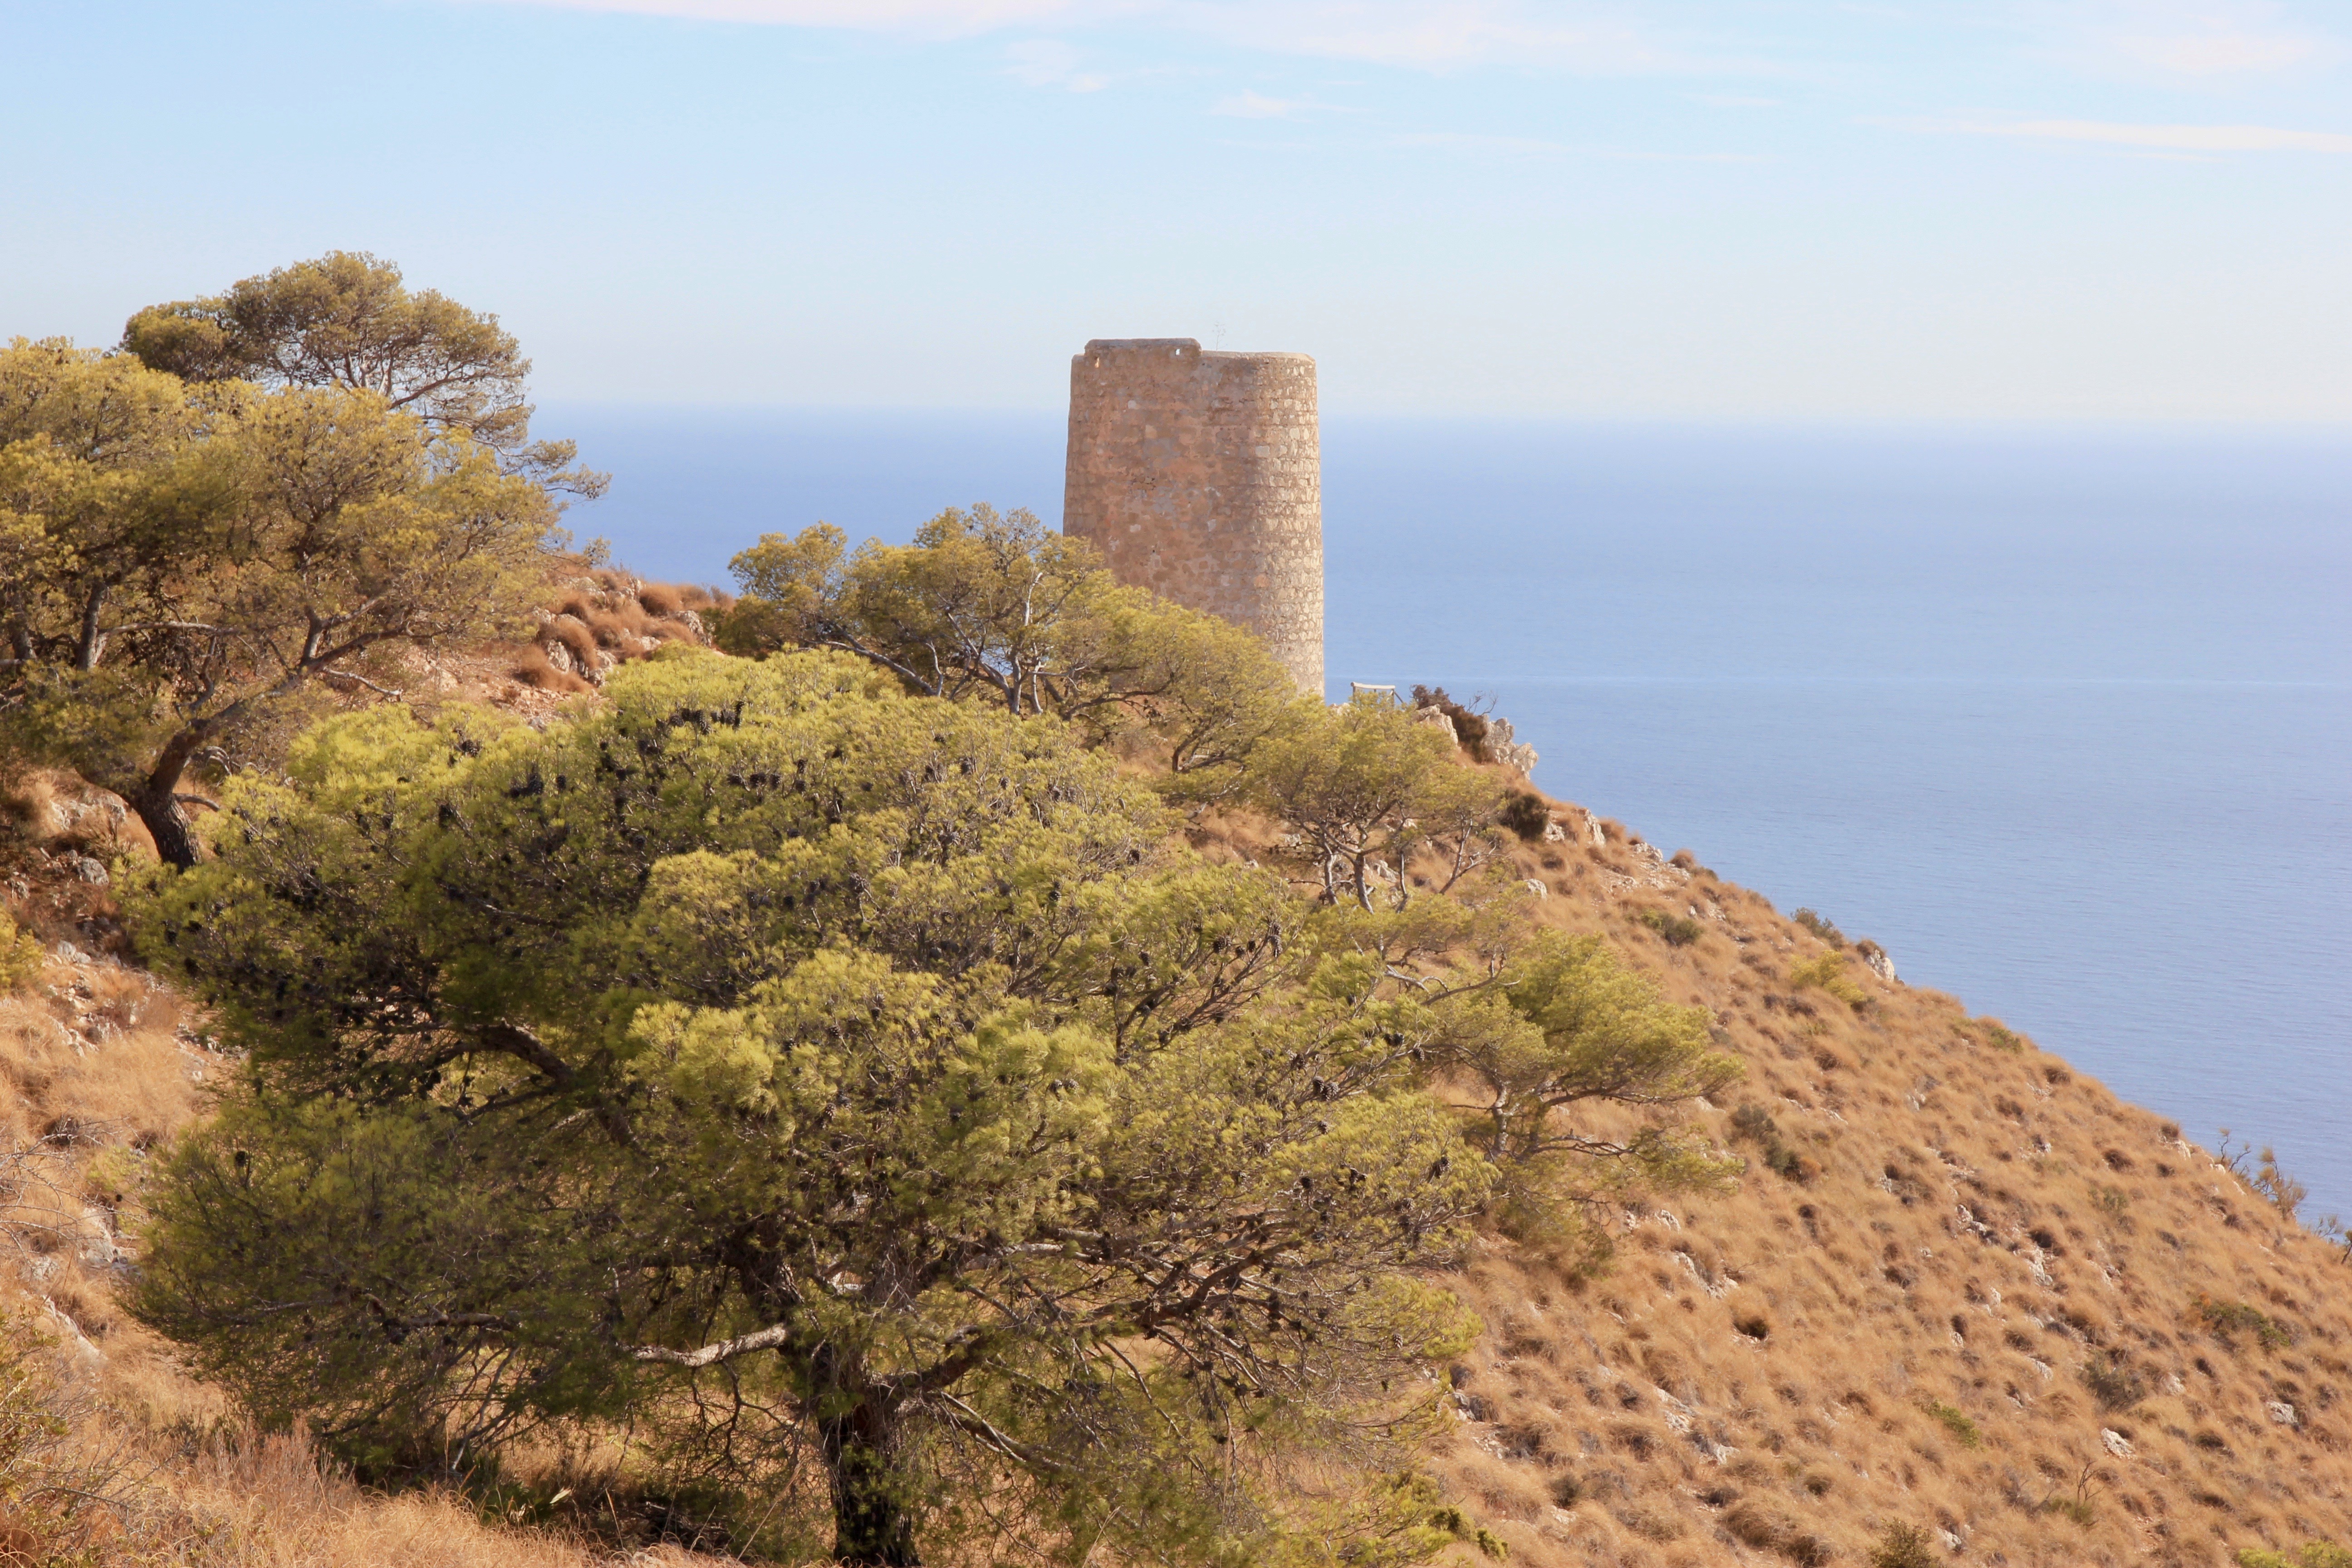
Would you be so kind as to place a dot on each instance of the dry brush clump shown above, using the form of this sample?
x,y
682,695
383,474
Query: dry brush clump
x,y
602,617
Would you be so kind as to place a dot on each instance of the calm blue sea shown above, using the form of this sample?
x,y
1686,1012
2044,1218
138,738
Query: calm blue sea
x,y
2062,717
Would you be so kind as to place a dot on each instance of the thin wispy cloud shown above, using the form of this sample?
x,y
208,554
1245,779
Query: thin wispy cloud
x,y
2159,138
1606,36
1464,141
1533,146
2181,39
932,17
1257,106
1050,62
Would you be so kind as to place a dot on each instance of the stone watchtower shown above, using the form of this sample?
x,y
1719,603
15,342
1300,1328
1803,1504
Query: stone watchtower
x,y
1199,476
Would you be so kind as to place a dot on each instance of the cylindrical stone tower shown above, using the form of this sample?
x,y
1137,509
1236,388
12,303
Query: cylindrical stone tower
x,y
1200,476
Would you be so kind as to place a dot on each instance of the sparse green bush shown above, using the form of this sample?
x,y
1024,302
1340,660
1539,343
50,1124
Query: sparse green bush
x,y
2312,1554
1571,1026
1828,972
1752,1526
1993,1032
1956,1421
1680,931
2113,1382
1818,923
1363,784
1526,815
2285,1194
1751,1122
2225,1318
2112,1201
1903,1546
20,956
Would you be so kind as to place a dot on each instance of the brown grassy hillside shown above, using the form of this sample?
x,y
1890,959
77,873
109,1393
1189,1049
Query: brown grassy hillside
x,y
1961,1288
1979,1295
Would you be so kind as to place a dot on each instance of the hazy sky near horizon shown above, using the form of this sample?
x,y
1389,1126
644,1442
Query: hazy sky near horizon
x,y
1745,209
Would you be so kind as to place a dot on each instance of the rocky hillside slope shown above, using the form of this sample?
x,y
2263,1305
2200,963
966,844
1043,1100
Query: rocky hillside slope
x,y
1963,1289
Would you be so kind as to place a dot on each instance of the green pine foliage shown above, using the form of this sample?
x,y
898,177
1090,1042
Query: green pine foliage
x,y
772,1052
998,608
20,956
823,1078
1828,972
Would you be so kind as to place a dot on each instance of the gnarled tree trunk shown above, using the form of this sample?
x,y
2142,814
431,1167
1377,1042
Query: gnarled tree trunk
x,y
873,1523
157,801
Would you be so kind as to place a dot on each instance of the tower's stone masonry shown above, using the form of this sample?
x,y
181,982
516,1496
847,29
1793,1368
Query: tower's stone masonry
x,y
1200,476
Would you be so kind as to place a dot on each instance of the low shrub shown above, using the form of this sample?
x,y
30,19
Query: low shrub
x,y
2285,1194
1751,1124
1751,1526
1956,1421
1828,974
1818,923
20,956
1903,1546
1526,815
1470,726
2225,1318
1680,931
1993,1032
2113,1382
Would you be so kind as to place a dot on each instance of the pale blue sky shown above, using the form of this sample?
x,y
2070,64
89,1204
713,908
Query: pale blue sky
x,y
1677,209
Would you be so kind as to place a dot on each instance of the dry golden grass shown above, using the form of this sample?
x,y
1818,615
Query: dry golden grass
x,y
271,1504
1983,1310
